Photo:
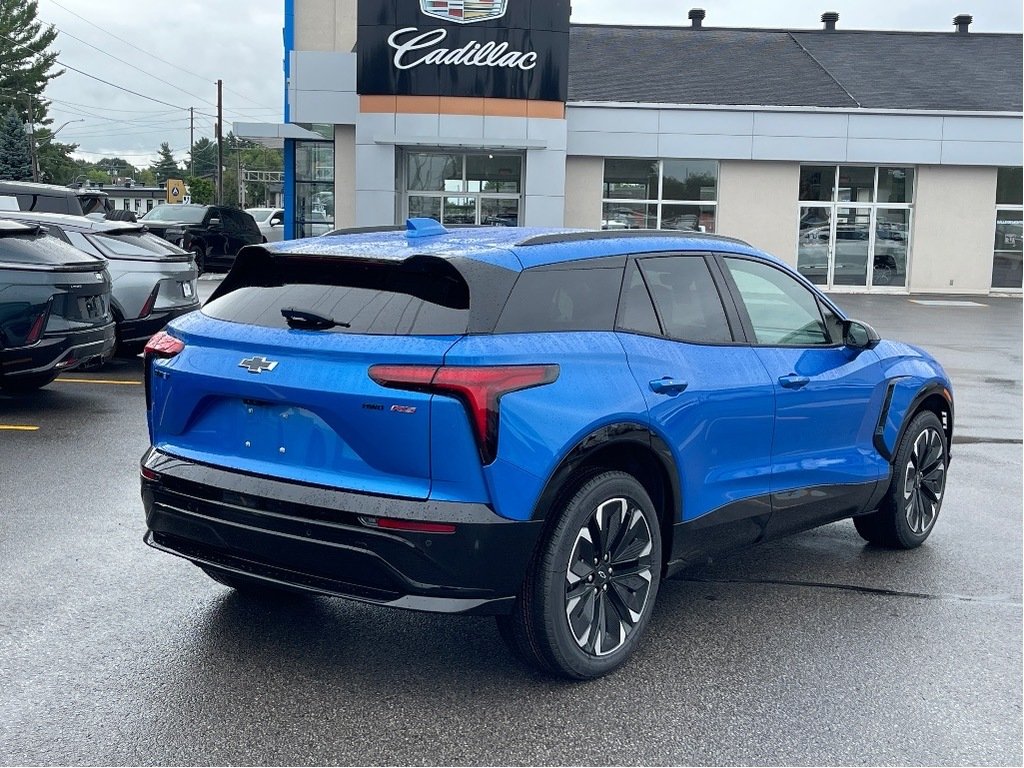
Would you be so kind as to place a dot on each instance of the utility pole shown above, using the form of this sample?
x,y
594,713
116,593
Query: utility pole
x,y
32,142
220,142
191,141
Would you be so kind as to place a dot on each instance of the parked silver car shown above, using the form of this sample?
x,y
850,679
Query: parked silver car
x,y
153,281
270,221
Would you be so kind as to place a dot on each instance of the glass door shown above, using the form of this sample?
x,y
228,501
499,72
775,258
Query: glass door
x,y
472,189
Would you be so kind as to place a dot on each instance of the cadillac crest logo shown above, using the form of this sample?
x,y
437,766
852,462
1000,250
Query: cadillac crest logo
x,y
464,11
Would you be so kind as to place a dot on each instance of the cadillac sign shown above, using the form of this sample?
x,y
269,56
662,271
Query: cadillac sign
x,y
511,49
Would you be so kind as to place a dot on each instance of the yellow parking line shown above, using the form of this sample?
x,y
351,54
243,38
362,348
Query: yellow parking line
x,y
18,428
99,381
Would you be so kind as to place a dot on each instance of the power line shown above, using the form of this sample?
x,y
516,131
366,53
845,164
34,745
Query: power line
x,y
153,55
98,79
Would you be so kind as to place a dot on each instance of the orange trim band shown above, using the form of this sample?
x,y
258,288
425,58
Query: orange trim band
x,y
459,105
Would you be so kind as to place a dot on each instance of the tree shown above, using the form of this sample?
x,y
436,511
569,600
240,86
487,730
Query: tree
x,y
201,190
56,166
26,63
166,167
203,158
15,163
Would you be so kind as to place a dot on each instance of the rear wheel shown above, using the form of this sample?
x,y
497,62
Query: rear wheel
x,y
29,383
591,589
908,512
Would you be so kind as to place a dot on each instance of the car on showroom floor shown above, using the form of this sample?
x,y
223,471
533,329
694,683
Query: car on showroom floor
x,y
536,424
54,308
153,281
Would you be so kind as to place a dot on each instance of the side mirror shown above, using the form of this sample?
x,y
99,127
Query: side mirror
x,y
276,222
859,335
214,222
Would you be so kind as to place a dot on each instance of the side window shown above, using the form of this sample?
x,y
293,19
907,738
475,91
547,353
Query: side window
x,y
781,310
636,312
562,300
686,298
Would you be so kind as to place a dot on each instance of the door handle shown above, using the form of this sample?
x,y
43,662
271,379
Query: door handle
x,y
793,381
668,386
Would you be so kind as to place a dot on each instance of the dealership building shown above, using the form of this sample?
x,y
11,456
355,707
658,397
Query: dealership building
x,y
881,161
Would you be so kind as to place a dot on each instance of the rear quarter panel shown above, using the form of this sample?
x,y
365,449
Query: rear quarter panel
x,y
540,426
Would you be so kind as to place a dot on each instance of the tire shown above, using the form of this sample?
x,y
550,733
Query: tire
x,y
245,585
555,624
199,253
911,505
29,383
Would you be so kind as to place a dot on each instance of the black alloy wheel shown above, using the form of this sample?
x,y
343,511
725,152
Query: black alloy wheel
x,y
608,581
924,480
910,507
590,590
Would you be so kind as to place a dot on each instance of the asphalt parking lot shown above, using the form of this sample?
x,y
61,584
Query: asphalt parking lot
x,y
813,650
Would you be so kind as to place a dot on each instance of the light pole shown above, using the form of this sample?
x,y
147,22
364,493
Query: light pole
x,y
30,129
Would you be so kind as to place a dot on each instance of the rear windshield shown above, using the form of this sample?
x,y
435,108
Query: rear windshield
x,y
134,244
40,249
418,297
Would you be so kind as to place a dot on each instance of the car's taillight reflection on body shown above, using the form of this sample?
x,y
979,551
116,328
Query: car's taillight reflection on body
x,y
480,388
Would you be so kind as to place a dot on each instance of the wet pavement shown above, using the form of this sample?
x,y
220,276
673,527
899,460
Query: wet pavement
x,y
816,649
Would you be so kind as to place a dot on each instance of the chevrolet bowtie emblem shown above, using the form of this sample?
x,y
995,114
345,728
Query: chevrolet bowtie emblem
x,y
258,364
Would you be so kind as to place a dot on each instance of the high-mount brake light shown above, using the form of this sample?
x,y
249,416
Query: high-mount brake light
x,y
480,388
163,345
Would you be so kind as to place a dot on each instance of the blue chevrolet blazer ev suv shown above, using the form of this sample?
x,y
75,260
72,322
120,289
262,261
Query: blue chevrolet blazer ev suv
x,y
536,424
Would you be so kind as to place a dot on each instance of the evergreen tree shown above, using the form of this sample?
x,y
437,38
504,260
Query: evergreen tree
x,y
166,167
26,63
15,163
203,158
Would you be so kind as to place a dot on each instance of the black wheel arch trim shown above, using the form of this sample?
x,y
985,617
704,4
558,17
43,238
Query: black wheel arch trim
x,y
928,390
620,433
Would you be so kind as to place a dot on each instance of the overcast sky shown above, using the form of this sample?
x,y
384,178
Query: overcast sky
x,y
181,47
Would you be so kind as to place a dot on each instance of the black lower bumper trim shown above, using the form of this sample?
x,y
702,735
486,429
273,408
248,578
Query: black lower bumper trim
x,y
140,330
315,539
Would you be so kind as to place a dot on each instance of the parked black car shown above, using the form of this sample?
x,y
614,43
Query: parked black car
x,y
214,233
51,198
54,307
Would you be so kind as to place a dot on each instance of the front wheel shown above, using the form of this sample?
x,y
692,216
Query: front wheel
x,y
910,507
591,589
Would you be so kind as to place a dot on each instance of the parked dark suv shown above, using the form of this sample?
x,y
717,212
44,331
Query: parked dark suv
x,y
54,307
214,233
51,198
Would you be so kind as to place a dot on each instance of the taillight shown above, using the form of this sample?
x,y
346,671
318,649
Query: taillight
x,y
163,345
147,308
480,388
39,324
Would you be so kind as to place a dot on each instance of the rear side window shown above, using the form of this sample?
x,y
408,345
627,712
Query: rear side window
x,y
414,298
134,244
552,300
49,204
686,299
39,249
636,311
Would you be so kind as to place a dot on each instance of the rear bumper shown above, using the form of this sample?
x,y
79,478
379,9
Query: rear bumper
x,y
137,332
59,352
312,538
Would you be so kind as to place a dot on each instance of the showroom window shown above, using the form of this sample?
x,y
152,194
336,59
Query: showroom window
x,y
314,184
855,225
1006,257
660,194
468,189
